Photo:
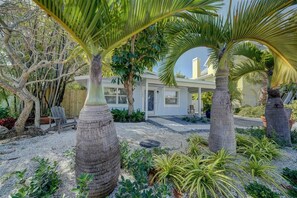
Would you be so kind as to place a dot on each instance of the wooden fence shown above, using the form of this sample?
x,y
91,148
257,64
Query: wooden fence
x,y
73,102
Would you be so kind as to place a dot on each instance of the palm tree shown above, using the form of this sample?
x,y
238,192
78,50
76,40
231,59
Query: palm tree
x,y
99,27
266,22
260,64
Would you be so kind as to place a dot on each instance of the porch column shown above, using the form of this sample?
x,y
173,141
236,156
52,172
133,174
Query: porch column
x,y
146,99
199,102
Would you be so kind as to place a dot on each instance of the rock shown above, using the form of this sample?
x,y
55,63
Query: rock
x,y
3,130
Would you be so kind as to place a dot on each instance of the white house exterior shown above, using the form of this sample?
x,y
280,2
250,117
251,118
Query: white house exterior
x,y
153,97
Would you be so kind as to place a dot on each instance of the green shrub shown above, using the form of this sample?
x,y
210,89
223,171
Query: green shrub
x,y
257,190
122,116
139,163
129,189
4,112
124,150
290,175
256,132
82,189
44,183
252,112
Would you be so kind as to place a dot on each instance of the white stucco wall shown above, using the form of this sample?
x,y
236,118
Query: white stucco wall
x,y
179,109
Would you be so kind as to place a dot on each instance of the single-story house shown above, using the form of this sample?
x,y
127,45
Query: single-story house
x,y
153,97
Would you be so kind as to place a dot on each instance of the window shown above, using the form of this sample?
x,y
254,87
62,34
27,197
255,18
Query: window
x,y
115,95
171,97
122,96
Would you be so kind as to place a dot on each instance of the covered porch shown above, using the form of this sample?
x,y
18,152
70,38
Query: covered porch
x,y
179,96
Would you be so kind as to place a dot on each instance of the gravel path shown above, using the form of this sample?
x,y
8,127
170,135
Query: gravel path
x,y
17,154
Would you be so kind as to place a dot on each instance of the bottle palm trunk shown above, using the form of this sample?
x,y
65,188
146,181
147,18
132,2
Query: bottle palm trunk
x,y
222,134
277,119
97,146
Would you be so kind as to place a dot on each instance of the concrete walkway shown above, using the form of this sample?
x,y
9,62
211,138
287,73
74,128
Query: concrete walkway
x,y
176,124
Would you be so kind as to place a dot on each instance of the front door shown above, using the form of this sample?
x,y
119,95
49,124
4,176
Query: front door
x,y
151,102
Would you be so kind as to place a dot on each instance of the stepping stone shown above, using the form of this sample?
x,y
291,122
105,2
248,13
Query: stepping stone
x,y
148,143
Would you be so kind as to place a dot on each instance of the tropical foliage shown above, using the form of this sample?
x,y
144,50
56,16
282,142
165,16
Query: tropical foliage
x,y
99,27
266,22
140,53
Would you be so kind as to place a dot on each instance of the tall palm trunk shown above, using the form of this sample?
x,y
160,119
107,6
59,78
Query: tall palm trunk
x,y
277,118
97,146
222,134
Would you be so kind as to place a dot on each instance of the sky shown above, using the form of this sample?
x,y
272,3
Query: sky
x,y
184,63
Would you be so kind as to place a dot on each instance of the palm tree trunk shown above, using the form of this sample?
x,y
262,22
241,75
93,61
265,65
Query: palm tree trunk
x,y
277,119
97,145
222,134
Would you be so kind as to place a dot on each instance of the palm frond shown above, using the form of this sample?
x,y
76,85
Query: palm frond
x,y
184,35
246,67
268,23
100,26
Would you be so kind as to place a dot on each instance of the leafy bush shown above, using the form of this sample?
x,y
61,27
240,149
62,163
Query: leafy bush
x,y
122,116
290,175
124,150
129,189
257,190
82,189
4,112
256,132
252,112
45,181
7,122
139,163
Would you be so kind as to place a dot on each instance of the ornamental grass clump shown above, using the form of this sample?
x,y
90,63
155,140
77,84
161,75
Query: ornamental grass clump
x,y
204,175
196,145
263,170
257,149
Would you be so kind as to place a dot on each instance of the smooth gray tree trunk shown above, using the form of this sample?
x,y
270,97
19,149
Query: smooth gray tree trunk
x,y
222,133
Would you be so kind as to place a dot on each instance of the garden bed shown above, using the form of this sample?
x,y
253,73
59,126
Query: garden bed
x,y
17,155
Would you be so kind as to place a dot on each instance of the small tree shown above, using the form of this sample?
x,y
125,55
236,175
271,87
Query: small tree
x,y
141,52
33,55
